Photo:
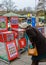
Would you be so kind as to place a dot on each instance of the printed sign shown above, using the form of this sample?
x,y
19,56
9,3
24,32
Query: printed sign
x,y
14,22
10,37
22,43
3,23
12,50
33,19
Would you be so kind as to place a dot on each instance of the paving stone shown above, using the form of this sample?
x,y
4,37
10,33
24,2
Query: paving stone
x,y
24,60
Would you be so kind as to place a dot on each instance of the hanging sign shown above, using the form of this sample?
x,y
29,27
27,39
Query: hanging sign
x,y
33,19
14,22
14,25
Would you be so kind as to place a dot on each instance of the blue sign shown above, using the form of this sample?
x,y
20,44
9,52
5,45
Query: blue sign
x,y
33,19
29,20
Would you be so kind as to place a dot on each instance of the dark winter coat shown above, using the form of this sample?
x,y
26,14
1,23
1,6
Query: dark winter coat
x,y
37,39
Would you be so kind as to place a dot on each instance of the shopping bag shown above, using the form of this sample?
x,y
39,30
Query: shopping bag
x,y
32,51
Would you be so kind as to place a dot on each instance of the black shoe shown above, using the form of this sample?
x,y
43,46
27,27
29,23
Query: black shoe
x,y
34,63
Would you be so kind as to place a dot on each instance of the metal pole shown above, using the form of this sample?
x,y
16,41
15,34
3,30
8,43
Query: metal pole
x,y
35,8
35,4
44,10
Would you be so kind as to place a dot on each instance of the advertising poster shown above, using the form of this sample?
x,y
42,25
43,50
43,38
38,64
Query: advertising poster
x,y
3,23
12,50
14,25
22,43
10,37
14,22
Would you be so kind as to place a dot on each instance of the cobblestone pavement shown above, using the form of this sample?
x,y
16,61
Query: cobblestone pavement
x,y
23,60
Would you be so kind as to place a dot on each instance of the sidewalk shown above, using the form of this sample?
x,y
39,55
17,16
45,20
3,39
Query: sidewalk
x,y
24,60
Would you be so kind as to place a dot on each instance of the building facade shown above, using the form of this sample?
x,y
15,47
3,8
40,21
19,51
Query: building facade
x,y
40,9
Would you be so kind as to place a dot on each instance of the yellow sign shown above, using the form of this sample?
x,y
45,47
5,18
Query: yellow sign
x,y
28,15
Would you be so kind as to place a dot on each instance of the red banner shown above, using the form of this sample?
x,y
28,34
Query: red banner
x,y
1,37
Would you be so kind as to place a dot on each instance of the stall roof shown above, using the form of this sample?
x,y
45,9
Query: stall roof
x,y
42,17
12,14
24,15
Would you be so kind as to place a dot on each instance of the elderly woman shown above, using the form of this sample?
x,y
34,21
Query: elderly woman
x,y
39,40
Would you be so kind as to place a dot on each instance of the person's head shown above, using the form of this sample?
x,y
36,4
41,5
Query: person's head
x,y
28,29
31,32
23,25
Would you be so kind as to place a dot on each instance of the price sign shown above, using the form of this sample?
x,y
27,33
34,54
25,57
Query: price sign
x,y
12,50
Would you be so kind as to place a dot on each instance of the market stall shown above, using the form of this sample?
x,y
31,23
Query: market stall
x,y
8,47
19,34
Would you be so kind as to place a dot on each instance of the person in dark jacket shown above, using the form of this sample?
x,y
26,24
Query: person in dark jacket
x,y
36,37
